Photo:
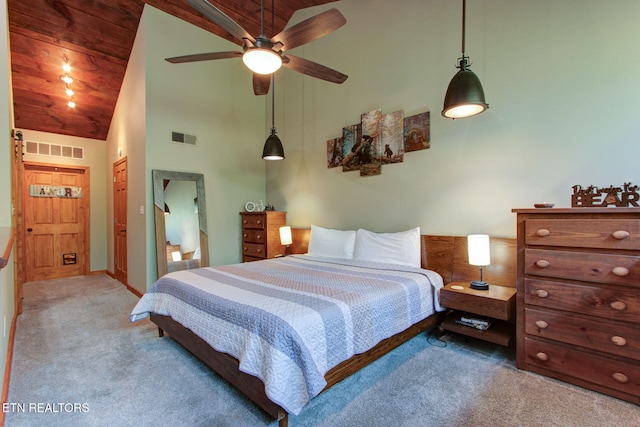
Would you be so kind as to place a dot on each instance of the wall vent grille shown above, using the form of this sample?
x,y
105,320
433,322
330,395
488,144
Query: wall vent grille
x,y
183,138
54,150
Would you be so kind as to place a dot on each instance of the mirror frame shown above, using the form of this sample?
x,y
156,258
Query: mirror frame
x,y
159,176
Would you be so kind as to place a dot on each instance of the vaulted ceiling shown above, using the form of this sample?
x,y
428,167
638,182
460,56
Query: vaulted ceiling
x,y
95,37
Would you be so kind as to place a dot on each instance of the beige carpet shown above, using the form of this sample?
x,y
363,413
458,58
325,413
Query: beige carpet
x,y
78,361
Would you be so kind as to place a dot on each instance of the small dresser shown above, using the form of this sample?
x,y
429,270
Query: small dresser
x,y
578,297
261,235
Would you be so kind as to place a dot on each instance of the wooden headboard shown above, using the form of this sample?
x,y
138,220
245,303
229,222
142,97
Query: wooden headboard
x,y
447,255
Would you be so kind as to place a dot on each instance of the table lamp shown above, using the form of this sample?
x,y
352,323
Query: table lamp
x,y
285,237
480,255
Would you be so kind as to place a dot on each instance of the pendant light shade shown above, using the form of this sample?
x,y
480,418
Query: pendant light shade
x,y
273,147
465,96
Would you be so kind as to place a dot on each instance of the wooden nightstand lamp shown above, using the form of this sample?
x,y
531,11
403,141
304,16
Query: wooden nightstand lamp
x,y
497,303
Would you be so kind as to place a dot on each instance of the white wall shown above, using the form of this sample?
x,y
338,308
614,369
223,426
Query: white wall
x,y
126,138
563,104
214,101
94,159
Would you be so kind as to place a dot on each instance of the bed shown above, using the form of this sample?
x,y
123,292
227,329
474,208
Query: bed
x,y
286,329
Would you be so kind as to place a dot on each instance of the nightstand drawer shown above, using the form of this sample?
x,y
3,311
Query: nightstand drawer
x,y
607,302
589,267
584,233
611,373
610,337
497,302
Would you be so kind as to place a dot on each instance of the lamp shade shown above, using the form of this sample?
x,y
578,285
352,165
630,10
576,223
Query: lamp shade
x,y
262,61
479,249
465,96
273,149
285,235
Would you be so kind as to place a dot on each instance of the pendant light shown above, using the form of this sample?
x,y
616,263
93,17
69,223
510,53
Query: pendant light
x,y
273,146
465,97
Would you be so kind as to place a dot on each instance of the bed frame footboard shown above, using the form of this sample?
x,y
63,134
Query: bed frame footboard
x,y
252,387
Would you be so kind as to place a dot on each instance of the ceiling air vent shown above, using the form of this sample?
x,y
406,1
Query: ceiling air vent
x,y
183,138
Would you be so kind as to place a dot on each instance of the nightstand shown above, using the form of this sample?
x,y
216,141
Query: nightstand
x,y
497,303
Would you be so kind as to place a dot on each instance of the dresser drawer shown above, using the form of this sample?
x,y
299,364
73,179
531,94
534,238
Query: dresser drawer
x,y
585,266
610,373
600,301
253,250
253,221
618,338
584,233
253,236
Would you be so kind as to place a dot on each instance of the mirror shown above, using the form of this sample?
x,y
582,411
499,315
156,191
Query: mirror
x,y
180,215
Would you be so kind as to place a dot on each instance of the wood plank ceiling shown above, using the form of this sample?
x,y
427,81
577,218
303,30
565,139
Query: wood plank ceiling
x,y
96,37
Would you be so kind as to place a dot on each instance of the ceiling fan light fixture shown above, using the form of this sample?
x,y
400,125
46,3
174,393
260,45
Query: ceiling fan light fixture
x,y
262,61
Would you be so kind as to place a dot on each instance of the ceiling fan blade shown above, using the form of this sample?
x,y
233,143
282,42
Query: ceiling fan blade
x,y
261,83
203,57
310,29
220,18
313,69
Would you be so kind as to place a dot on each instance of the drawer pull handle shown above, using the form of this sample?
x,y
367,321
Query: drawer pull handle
x,y
246,249
543,263
541,293
245,222
541,324
543,232
620,271
542,356
619,341
258,236
259,250
618,305
259,222
245,235
620,234
620,377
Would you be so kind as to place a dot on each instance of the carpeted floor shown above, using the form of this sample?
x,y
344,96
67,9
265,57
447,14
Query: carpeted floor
x,y
79,362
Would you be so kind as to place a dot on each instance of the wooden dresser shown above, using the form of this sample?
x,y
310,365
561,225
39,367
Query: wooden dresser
x,y
578,297
261,235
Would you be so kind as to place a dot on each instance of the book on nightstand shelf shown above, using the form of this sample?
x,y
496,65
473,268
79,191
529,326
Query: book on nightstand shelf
x,y
478,322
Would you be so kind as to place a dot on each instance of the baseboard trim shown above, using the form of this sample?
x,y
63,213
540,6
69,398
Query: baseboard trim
x,y
97,272
7,367
126,285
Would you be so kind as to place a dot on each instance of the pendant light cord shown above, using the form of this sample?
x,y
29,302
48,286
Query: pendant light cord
x,y
273,79
464,14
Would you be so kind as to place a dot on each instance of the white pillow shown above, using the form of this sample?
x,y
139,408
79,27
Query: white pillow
x,y
397,248
331,243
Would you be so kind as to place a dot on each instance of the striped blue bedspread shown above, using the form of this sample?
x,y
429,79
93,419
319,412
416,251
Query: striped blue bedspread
x,y
290,320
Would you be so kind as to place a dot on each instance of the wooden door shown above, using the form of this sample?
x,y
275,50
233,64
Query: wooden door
x,y
55,202
120,220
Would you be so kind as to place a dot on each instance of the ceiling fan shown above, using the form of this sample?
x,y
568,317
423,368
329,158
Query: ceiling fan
x,y
270,52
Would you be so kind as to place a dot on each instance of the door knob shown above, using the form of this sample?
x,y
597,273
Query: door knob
x,y
29,229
